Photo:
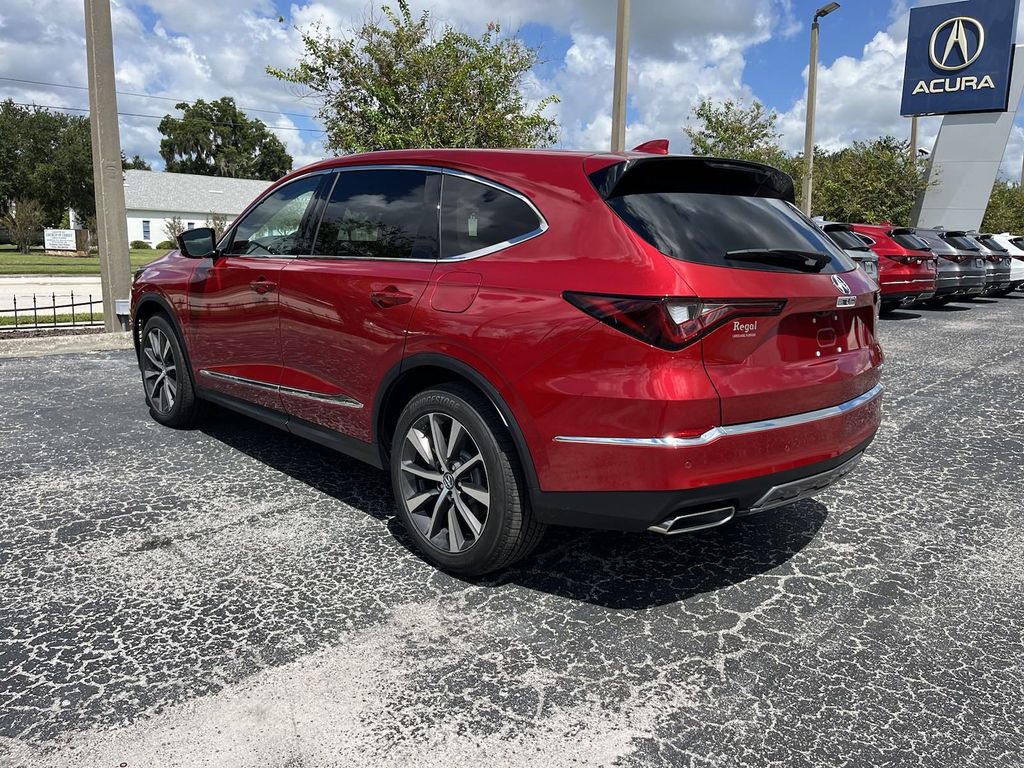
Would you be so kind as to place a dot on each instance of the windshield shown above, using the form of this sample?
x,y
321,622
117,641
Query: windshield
x,y
707,228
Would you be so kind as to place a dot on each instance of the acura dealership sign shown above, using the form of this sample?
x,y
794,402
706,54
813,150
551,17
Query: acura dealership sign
x,y
959,57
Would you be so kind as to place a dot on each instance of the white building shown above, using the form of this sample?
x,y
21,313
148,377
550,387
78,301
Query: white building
x,y
153,198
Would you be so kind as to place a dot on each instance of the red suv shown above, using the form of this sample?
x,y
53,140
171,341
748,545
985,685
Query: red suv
x,y
906,264
624,341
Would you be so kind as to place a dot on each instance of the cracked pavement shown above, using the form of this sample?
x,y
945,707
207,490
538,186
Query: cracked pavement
x,y
235,596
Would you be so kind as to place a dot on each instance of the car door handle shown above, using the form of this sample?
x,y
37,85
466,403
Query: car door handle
x,y
389,297
262,286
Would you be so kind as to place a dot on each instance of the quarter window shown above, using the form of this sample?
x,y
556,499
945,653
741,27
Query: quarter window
x,y
381,214
476,216
273,227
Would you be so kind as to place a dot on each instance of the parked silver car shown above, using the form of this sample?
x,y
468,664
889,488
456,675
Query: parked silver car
x,y
997,264
961,272
856,247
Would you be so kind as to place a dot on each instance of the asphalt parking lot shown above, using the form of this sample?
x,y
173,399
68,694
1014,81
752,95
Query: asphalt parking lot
x,y
236,596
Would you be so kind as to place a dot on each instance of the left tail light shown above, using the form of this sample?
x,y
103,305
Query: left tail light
x,y
669,323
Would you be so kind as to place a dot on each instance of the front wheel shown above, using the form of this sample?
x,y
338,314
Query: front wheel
x,y
166,379
459,484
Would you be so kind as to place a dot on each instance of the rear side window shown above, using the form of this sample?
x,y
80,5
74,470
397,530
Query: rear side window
x,y
381,214
720,214
477,216
911,242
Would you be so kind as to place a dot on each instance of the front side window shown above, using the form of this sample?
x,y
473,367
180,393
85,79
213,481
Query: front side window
x,y
273,227
475,216
381,214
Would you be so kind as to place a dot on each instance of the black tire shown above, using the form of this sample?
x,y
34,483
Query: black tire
x,y
183,408
888,307
509,530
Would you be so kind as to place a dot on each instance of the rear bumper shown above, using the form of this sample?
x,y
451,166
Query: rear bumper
x,y
642,510
633,483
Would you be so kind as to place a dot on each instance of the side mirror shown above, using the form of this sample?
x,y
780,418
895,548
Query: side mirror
x,y
199,243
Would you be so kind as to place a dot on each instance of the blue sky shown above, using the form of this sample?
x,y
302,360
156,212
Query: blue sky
x,y
681,51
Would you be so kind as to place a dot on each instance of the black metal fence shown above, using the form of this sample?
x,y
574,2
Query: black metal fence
x,y
75,314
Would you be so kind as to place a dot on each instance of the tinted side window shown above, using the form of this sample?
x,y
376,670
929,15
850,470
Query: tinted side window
x,y
475,216
381,214
272,228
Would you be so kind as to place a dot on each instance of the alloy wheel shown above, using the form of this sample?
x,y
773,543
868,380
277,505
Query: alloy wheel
x,y
444,482
159,371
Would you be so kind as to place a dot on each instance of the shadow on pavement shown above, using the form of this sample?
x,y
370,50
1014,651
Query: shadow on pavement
x,y
945,308
616,570
900,315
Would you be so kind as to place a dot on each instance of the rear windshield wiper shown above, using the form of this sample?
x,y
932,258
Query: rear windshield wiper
x,y
803,261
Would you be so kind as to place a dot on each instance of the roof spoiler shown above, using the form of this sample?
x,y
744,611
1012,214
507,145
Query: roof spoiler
x,y
837,227
689,174
653,147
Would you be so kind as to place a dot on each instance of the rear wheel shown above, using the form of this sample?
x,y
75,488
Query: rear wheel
x,y
166,379
459,484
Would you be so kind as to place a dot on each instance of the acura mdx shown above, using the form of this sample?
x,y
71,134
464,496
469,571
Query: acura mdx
x,y
624,341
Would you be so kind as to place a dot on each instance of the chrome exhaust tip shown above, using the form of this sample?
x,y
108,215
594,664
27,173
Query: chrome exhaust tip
x,y
688,522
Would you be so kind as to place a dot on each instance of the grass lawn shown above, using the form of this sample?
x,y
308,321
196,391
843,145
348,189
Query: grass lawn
x,y
25,318
38,263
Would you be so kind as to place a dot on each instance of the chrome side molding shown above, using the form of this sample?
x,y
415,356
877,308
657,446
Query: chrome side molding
x,y
716,433
343,400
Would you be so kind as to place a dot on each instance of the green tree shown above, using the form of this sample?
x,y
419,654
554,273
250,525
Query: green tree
x,y
216,138
869,181
173,227
399,83
728,129
24,220
47,157
1005,211
137,163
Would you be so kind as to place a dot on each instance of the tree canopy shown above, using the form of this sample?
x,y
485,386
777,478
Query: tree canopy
x,y
397,82
1005,208
869,181
45,157
216,138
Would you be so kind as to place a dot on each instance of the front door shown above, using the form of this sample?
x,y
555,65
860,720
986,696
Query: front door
x,y
345,310
234,298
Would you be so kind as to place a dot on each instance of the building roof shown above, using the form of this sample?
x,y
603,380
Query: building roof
x,y
188,193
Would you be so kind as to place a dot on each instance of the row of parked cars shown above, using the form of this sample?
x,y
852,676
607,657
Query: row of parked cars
x,y
932,266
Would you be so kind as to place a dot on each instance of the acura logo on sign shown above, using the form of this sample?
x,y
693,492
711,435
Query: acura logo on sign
x,y
839,283
956,41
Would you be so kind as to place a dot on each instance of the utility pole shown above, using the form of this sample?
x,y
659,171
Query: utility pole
x,y
621,70
108,179
913,138
812,97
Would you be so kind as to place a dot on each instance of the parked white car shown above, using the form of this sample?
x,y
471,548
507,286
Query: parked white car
x,y
1015,245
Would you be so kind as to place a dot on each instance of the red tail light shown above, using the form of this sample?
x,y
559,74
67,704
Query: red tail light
x,y
669,323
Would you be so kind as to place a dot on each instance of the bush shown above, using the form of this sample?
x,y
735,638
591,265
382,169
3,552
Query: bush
x,y
166,245
139,245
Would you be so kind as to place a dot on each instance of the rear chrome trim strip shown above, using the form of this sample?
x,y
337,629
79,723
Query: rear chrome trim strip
x,y
733,430
343,400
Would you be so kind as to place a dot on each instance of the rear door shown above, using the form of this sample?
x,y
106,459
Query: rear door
x,y
731,231
346,307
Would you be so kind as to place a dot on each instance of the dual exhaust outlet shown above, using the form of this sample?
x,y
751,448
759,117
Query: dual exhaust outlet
x,y
688,522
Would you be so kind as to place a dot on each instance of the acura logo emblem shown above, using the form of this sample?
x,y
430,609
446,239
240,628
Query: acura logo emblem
x,y
839,283
956,46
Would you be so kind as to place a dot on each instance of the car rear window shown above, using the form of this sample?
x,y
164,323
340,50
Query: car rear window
x,y
844,238
960,242
910,241
992,244
719,213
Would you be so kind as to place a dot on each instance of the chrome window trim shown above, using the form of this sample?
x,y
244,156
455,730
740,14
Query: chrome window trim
x,y
734,430
467,256
343,400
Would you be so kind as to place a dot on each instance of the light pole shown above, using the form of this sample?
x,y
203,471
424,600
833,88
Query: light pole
x,y
619,87
812,95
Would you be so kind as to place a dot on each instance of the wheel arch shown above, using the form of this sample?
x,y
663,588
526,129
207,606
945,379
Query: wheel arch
x,y
150,304
424,370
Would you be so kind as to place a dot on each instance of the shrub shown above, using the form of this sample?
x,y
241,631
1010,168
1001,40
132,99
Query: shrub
x,y
166,245
139,245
